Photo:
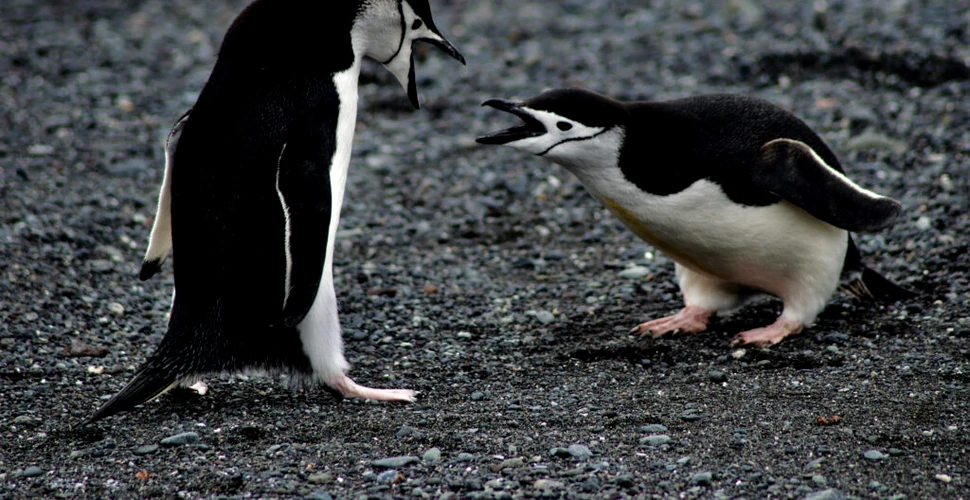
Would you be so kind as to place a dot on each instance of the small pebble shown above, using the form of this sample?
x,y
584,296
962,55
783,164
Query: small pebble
x,y
146,449
691,415
32,471
23,420
829,494
319,495
116,308
924,223
432,455
545,317
478,396
579,451
465,457
407,431
320,477
180,439
717,376
388,477
634,273
874,455
654,429
702,479
943,477
547,484
392,462
655,440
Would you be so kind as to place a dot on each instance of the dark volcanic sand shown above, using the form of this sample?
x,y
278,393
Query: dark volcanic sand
x,y
522,349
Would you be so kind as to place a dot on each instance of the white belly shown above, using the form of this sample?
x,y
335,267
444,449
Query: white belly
x,y
769,248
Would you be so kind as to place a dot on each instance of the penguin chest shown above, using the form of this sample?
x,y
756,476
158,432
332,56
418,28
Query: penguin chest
x,y
702,229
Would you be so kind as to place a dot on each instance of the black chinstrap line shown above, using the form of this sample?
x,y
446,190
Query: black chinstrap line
x,y
404,32
601,132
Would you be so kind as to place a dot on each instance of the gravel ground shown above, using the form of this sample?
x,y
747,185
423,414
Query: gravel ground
x,y
490,280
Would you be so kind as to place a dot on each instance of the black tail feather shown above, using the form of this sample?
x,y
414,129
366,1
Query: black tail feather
x,y
149,383
870,285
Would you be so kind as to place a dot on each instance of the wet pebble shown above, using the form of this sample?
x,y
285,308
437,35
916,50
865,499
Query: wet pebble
x,y
32,471
432,455
634,273
146,449
180,439
579,451
702,479
655,440
391,462
545,317
388,477
827,494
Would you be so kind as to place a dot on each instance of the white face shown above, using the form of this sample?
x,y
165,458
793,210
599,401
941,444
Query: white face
x,y
560,132
386,32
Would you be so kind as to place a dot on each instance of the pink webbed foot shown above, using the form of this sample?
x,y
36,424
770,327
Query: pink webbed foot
x,y
691,319
768,335
350,389
199,388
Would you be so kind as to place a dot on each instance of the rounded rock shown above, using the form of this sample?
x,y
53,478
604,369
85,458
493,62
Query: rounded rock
x,y
579,451
180,439
874,455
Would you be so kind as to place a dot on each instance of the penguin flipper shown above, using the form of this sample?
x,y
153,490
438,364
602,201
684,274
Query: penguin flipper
x,y
150,382
160,243
304,190
793,171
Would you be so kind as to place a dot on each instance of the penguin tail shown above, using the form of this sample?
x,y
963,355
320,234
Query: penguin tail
x,y
150,382
867,284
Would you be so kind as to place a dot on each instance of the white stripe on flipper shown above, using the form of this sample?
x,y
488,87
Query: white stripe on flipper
x,y
839,175
286,232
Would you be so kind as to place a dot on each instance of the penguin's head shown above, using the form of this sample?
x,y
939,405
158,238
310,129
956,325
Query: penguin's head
x,y
386,30
573,127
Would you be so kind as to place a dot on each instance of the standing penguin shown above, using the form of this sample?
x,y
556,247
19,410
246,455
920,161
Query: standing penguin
x,y
254,182
742,195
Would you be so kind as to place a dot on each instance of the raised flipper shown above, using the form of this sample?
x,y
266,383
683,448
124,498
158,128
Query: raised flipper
x,y
160,243
793,171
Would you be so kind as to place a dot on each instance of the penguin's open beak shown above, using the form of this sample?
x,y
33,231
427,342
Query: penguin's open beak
x,y
443,44
531,128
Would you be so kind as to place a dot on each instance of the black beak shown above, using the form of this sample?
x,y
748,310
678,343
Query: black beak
x,y
442,44
446,47
531,127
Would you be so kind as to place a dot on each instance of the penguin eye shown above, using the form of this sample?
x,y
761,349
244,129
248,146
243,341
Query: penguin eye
x,y
416,24
564,126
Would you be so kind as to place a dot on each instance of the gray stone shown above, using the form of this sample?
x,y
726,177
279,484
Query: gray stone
x,y
407,431
634,273
579,451
874,455
391,462
545,317
654,428
702,479
388,477
319,495
320,477
32,471
465,457
478,396
717,376
180,439
655,439
432,455
827,494
146,449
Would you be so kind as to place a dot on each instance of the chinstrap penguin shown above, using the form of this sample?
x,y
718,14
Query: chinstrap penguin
x,y
253,185
741,194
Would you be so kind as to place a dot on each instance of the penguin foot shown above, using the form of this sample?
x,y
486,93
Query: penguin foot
x,y
690,319
350,389
199,388
768,335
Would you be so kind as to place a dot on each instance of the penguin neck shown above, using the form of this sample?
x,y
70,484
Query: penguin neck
x,y
346,85
592,159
